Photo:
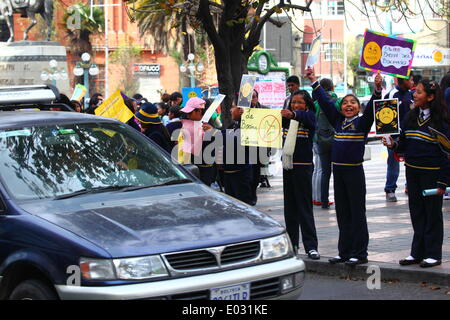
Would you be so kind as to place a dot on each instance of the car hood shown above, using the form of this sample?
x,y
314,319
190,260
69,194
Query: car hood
x,y
184,221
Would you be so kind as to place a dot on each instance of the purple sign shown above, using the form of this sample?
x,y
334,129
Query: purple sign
x,y
387,54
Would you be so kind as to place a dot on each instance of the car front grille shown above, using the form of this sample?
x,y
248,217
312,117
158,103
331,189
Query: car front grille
x,y
191,260
217,257
259,290
240,252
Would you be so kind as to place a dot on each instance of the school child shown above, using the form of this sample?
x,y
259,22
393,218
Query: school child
x,y
298,131
234,161
347,157
193,111
152,126
427,167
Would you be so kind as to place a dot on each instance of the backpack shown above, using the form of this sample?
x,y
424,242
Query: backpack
x,y
324,131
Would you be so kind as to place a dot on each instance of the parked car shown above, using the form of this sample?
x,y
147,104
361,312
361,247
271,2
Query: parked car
x,y
92,209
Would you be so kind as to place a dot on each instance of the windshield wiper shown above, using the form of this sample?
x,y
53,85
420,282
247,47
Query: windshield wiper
x,y
170,182
91,190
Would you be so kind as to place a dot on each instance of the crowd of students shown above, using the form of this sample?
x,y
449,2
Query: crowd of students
x,y
331,129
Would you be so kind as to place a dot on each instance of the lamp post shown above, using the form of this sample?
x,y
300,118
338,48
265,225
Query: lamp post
x,y
192,68
53,73
86,68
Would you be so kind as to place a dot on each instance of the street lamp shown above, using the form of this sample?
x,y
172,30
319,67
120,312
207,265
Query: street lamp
x,y
86,68
192,68
53,74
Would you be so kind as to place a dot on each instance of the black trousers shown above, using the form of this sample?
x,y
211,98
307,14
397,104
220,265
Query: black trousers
x,y
239,185
350,202
298,211
426,214
256,176
207,174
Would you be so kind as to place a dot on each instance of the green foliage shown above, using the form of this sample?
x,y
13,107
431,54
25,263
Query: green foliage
x,y
93,25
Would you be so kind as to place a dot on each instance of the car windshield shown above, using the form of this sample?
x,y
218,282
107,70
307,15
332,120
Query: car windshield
x,y
58,160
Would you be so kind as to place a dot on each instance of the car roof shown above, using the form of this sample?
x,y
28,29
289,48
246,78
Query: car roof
x,y
28,118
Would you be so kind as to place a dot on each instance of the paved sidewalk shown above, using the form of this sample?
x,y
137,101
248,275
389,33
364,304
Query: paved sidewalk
x,y
389,226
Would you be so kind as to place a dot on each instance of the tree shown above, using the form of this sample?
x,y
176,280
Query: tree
x,y
80,25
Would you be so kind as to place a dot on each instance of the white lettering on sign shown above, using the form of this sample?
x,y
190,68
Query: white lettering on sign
x,y
395,56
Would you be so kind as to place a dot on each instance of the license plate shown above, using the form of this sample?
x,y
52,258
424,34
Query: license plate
x,y
235,292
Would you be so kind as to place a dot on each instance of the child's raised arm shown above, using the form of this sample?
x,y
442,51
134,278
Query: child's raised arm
x,y
326,104
367,116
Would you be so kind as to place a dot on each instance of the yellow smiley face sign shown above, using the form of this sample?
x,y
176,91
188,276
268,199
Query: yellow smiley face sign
x,y
386,115
192,94
372,53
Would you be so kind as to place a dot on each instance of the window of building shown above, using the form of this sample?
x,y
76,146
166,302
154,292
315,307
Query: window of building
x,y
306,47
335,8
333,51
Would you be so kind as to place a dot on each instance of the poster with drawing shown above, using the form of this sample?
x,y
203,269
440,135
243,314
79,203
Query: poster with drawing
x,y
387,54
386,117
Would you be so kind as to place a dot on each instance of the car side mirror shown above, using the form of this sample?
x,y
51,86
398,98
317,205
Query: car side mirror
x,y
193,169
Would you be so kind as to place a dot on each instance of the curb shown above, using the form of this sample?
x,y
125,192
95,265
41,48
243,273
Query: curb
x,y
389,271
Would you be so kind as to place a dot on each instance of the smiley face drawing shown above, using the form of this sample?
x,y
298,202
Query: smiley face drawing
x,y
246,90
372,53
192,94
386,115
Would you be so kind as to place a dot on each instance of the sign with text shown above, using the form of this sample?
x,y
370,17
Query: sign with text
x,y
261,128
271,93
114,107
386,116
140,69
391,55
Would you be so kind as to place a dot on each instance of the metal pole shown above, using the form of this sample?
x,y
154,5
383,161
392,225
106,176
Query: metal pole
x,y
191,75
106,49
86,84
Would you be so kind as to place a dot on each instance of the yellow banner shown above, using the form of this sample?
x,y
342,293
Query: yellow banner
x,y
261,128
114,107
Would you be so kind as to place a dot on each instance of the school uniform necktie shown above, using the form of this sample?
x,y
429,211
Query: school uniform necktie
x,y
422,116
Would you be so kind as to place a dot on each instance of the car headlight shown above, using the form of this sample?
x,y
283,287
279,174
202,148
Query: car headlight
x,y
97,269
124,269
276,247
140,268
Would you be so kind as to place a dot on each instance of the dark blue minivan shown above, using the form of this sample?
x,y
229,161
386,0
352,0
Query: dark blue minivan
x,y
92,209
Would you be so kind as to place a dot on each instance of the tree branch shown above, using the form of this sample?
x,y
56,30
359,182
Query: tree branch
x,y
204,15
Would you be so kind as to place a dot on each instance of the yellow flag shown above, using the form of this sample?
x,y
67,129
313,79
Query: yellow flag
x,y
261,127
114,107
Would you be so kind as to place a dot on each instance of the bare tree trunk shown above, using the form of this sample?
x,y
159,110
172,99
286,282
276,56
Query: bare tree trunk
x,y
227,43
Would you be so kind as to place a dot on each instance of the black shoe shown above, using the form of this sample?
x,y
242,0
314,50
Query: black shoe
x,y
425,264
336,260
356,262
407,262
313,254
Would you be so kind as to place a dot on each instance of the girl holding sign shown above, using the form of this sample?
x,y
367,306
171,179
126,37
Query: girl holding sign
x,y
299,122
347,157
427,167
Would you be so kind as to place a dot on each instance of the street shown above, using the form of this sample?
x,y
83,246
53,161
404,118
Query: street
x,y
322,287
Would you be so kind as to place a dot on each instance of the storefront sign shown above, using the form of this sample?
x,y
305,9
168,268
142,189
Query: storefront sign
x,y
147,69
431,57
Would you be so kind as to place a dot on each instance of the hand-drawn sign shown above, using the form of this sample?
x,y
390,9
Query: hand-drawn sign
x,y
261,128
386,116
269,129
388,54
